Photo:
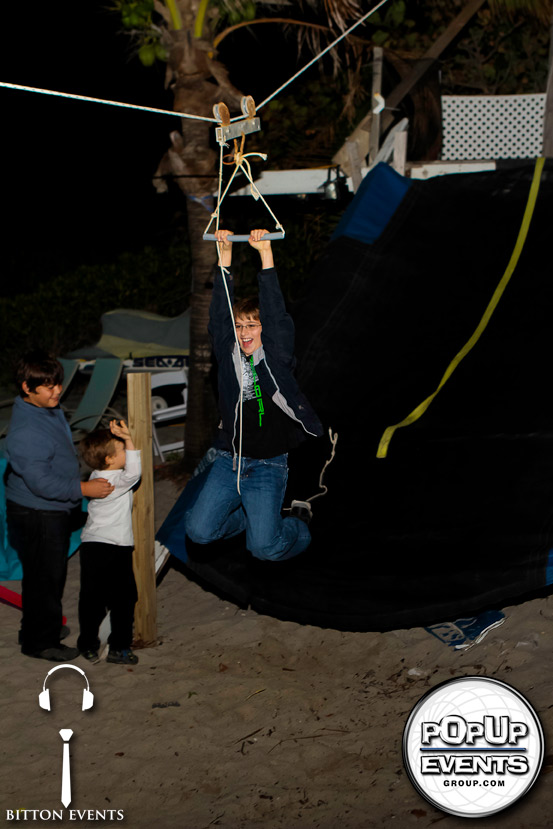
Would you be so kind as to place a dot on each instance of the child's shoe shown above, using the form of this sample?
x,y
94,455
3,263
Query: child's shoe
x,y
90,654
301,510
124,657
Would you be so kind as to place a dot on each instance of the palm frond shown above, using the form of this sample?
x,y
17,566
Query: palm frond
x,y
341,12
541,9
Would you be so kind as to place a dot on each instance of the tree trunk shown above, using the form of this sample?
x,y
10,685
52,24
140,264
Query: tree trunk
x,y
193,152
202,409
194,164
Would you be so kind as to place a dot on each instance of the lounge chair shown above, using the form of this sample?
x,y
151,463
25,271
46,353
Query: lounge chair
x,y
160,416
95,401
69,370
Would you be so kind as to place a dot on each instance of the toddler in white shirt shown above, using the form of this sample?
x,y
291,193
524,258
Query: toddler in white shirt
x,y
107,578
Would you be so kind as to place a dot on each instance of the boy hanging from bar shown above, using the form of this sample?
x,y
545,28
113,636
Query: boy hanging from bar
x,y
245,486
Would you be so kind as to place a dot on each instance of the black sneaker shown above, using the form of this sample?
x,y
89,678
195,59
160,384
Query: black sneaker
x,y
301,510
90,654
124,657
61,653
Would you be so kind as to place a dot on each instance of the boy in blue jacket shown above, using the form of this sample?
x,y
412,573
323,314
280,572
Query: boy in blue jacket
x,y
254,348
42,490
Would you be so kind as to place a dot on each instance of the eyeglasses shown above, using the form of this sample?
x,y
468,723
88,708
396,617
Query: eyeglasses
x,y
248,328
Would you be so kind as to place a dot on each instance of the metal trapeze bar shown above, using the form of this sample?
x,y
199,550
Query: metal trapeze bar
x,y
241,237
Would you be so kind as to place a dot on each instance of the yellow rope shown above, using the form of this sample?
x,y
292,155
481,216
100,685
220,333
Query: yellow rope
x,y
523,232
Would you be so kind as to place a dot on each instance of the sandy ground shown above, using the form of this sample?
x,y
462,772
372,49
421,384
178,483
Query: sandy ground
x,y
241,721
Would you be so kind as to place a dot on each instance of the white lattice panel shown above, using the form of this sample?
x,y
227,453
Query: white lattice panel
x,y
492,126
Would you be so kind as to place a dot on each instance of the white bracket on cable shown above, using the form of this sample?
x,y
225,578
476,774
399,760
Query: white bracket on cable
x,y
225,130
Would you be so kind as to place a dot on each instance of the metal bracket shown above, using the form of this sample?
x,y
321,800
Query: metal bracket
x,y
237,129
226,130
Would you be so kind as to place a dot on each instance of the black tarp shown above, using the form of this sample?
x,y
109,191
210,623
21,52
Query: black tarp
x,y
459,516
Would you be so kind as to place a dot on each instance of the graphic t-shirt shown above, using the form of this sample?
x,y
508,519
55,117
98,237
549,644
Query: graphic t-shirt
x,y
266,430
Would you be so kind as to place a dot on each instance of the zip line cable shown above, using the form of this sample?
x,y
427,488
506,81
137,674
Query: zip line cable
x,y
320,55
88,99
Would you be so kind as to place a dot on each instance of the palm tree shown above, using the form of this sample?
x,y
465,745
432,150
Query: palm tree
x,y
198,81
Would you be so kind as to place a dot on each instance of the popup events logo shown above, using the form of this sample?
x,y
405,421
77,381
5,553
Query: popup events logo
x,y
472,746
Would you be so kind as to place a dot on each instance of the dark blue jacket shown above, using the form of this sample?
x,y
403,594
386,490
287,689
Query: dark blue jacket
x,y
274,361
43,470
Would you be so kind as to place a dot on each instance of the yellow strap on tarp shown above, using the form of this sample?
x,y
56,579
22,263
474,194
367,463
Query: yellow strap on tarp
x,y
523,232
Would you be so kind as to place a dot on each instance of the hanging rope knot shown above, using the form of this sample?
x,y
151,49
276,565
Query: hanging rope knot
x,y
238,157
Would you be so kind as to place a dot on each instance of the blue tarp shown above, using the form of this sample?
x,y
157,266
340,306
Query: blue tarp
x,y
10,567
380,194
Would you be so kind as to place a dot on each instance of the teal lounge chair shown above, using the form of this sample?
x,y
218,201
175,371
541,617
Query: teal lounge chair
x,y
69,370
95,401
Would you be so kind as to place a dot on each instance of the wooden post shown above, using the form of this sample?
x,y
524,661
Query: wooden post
x,y
354,164
374,146
140,425
400,152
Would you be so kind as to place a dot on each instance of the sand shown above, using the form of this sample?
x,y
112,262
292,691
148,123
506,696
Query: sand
x,y
241,721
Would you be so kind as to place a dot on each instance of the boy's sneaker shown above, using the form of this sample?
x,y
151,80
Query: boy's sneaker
x,y
301,510
90,654
124,657
60,653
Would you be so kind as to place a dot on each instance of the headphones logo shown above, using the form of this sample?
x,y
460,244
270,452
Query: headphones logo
x,y
44,696
65,733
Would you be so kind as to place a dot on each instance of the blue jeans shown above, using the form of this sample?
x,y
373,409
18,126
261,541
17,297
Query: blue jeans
x,y
220,511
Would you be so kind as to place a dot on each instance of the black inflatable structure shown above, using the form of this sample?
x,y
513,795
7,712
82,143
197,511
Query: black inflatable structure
x,y
459,516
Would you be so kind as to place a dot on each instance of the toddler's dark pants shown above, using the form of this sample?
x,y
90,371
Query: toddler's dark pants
x,y
107,583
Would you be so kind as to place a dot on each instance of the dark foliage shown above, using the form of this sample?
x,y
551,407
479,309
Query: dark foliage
x,y
64,313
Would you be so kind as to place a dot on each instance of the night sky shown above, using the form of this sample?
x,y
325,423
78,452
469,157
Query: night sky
x,y
77,176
